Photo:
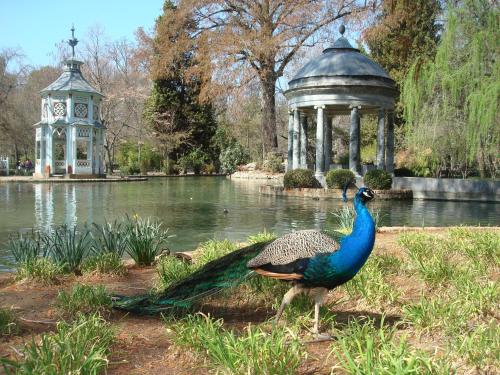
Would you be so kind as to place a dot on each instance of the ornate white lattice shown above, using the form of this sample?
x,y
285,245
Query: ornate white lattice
x,y
83,132
81,110
60,109
96,113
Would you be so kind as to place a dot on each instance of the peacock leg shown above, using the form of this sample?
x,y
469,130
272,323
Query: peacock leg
x,y
287,298
319,295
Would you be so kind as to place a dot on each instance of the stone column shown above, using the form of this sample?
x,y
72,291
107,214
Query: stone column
x,y
49,161
303,141
389,153
290,141
381,140
328,143
320,155
296,139
354,141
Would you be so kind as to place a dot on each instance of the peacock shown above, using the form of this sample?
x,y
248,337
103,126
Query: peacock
x,y
313,262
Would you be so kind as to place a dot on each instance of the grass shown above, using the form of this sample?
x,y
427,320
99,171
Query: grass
x,y
364,347
252,351
109,263
213,249
261,237
345,217
371,284
8,323
146,239
84,299
39,270
80,347
169,270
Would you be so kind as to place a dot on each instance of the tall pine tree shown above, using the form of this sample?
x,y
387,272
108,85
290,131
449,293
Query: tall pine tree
x,y
179,119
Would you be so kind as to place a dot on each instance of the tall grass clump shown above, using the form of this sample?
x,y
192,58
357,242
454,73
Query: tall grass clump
x,y
84,299
146,239
25,247
364,347
68,246
104,263
252,351
213,249
109,238
40,270
80,347
171,270
8,323
261,237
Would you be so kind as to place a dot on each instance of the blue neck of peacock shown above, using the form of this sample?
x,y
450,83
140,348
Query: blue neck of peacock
x,y
356,248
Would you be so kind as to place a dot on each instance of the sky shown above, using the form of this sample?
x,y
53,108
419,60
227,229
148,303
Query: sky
x,y
36,26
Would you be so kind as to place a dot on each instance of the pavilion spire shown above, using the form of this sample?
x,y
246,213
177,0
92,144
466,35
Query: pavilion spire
x,y
73,41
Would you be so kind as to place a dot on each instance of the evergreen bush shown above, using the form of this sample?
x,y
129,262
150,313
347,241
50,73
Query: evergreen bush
x,y
378,179
300,178
232,156
339,178
273,163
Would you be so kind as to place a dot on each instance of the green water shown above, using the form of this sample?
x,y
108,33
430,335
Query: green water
x,y
193,209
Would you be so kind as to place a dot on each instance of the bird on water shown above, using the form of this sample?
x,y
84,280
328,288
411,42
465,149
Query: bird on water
x,y
313,262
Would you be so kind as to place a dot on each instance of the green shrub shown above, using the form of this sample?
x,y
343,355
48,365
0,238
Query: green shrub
x,y
233,156
338,178
193,161
40,270
169,167
144,166
83,299
300,178
8,323
208,168
105,263
273,163
145,240
378,179
81,347
212,250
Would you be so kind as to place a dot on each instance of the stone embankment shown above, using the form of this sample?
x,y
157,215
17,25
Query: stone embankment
x,y
330,193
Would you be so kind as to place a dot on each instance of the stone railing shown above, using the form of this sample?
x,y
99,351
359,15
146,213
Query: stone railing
x,y
83,163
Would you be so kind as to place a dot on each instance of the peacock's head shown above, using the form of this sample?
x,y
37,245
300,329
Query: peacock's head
x,y
365,194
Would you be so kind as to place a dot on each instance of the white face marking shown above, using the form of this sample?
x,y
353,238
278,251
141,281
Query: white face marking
x,y
365,193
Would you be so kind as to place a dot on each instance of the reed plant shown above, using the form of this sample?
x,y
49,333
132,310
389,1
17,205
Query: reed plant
x,y
345,217
69,246
252,351
146,239
80,347
109,238
25,247
83,299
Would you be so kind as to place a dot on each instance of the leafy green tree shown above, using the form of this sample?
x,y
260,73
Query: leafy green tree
x,y
451,102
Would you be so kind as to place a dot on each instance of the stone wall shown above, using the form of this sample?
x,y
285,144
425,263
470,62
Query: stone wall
x,y
329,193
450,188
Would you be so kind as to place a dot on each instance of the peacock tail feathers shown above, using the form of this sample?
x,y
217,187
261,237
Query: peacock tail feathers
x,y
225,272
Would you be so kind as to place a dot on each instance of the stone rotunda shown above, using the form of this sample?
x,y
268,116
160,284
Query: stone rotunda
x,y
70,135
341,81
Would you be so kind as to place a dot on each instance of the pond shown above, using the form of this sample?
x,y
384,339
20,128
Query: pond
x,y
192,209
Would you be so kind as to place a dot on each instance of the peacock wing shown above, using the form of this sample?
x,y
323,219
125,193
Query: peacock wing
x,y
294,246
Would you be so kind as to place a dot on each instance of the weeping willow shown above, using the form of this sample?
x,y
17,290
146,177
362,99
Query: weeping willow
x,y
451,103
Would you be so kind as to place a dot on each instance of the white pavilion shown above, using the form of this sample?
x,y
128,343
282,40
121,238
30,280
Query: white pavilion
x,y
70,135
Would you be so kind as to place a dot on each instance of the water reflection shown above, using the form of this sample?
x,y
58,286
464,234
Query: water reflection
x,y
193,208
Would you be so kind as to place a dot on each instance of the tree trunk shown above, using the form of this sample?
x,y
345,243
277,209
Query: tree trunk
x,y
110,159
269,133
